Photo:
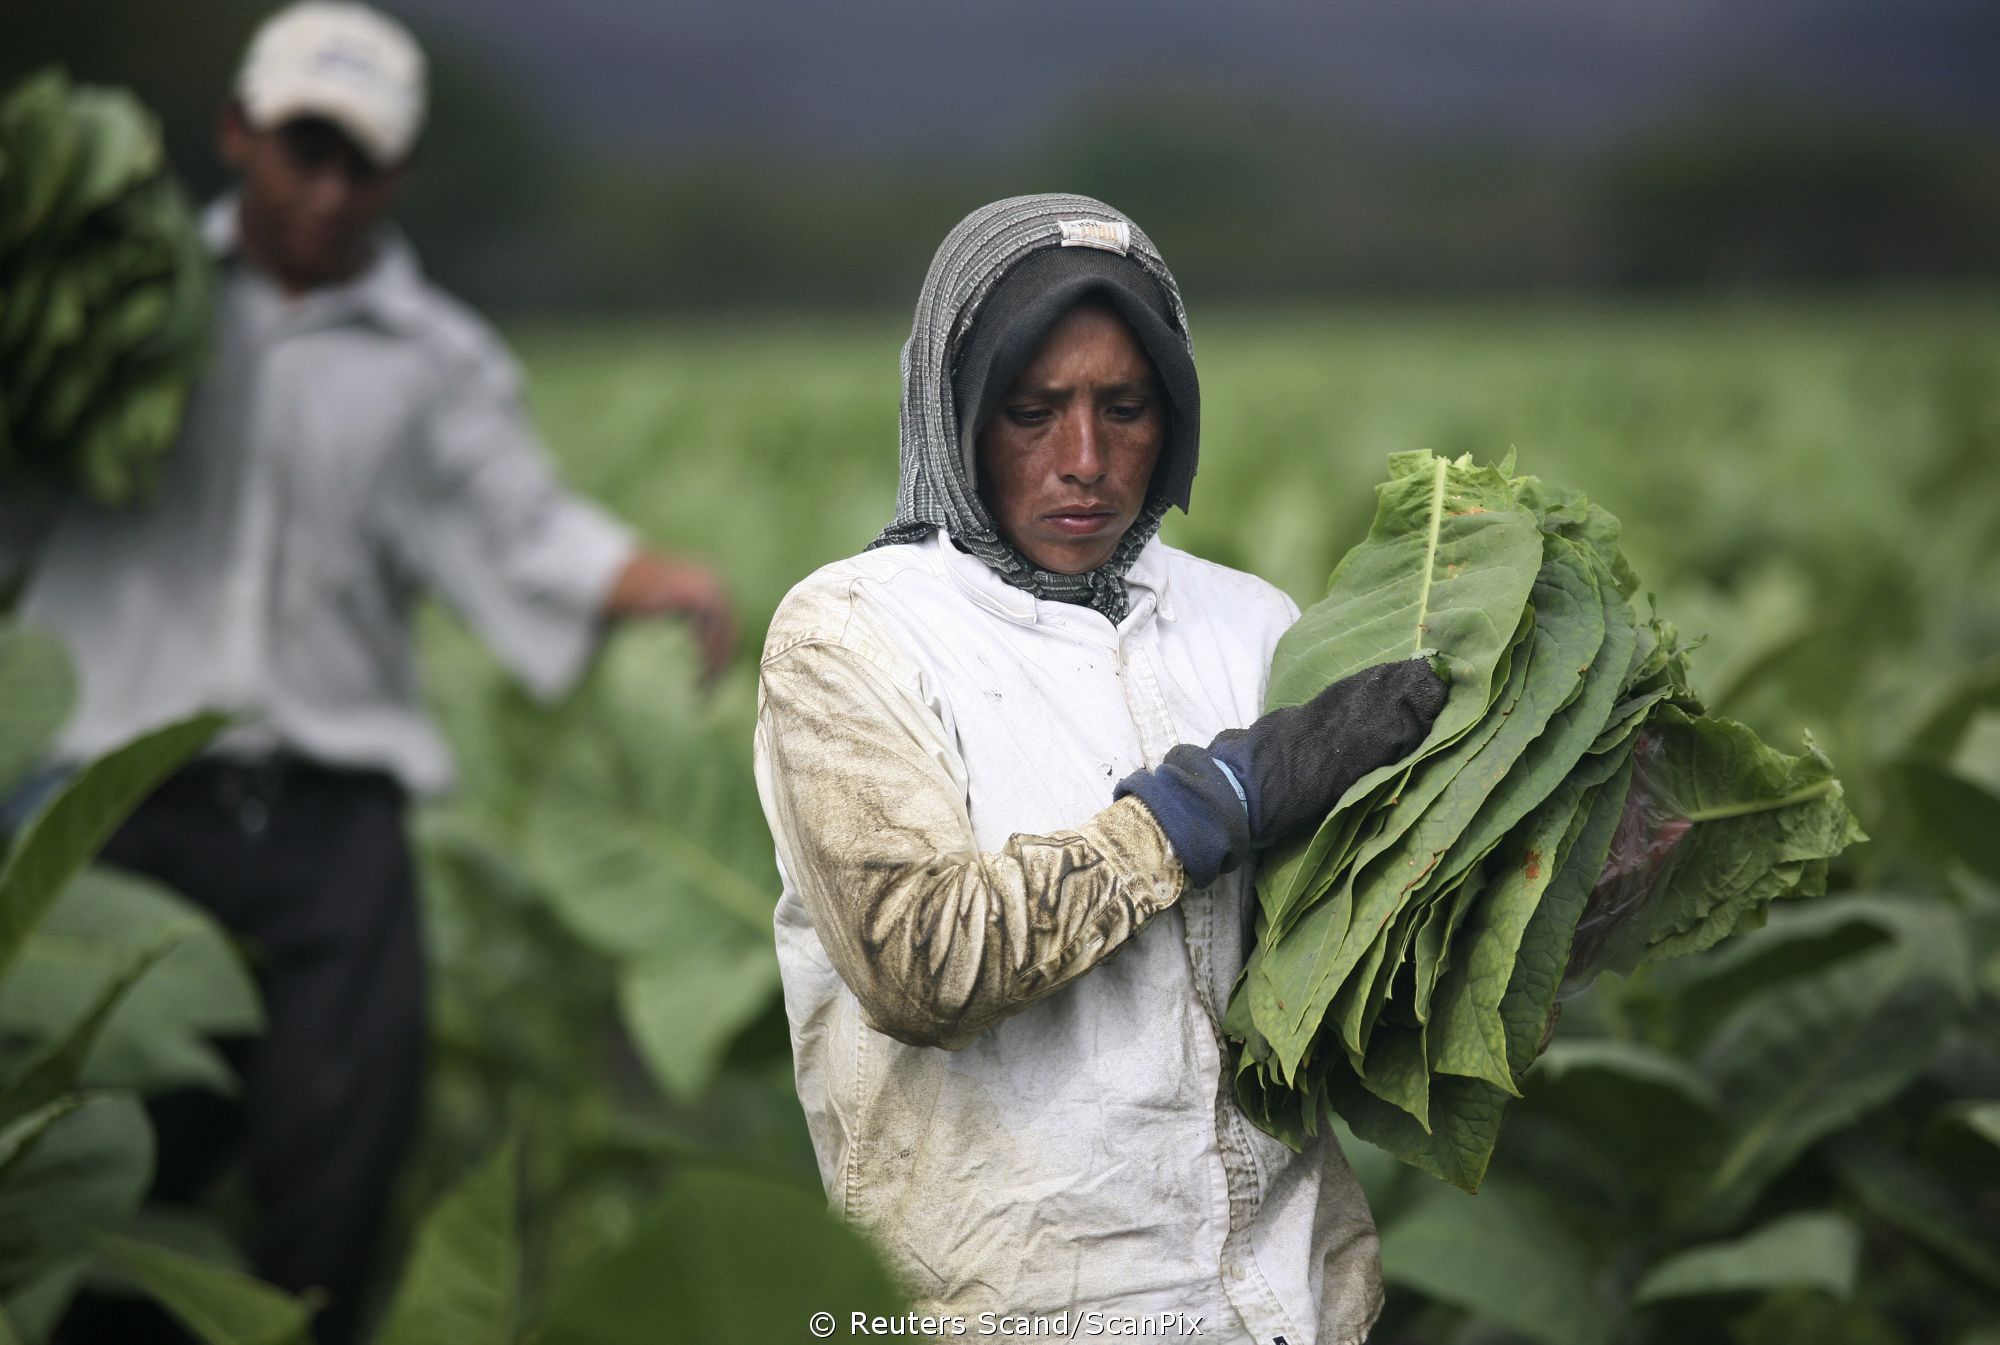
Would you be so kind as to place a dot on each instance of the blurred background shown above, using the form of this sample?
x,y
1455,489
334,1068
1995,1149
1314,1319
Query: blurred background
x,y
1731,269
620,155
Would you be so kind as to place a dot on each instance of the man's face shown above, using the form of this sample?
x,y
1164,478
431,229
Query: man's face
x,y
311,198
1066,457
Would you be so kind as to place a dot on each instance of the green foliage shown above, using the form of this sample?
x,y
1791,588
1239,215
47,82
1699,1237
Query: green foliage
x,y
723,1257
61,838
1721,1133
104,290
1409,953
37,691
107,928
51,1071
1813,1249
84,995
607,854
221,1305
720,1256
1504,1257
1843,587
645,831
77,1165
1814,486
462,1281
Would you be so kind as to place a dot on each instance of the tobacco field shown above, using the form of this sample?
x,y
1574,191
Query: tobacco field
x,y
1791,1137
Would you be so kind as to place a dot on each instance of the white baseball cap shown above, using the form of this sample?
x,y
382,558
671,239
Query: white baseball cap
x,y
354,66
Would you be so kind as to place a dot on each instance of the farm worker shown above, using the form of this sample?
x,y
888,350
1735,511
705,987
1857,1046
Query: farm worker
x,y
1012,759
360,438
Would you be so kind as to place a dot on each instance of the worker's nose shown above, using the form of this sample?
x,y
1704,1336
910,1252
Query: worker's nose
x,y
328,189
1082,457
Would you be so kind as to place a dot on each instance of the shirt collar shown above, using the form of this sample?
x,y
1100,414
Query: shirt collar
x,y
973,577
1149,575
389,292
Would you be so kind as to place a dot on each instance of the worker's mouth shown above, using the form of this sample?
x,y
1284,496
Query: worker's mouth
x,y
1080,522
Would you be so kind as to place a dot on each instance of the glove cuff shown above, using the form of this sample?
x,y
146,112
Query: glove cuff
x,y
1199,808
1231,751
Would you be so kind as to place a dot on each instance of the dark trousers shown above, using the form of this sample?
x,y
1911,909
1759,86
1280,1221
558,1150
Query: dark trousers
x,y
311,868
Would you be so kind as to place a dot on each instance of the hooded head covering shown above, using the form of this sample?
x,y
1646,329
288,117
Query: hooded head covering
x,y
999,280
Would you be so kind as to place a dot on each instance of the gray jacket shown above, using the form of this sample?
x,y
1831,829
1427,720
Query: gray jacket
x,y
349,449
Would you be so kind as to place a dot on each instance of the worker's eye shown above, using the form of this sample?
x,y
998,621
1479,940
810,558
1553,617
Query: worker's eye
x,y
1028,415
1128,409
312,146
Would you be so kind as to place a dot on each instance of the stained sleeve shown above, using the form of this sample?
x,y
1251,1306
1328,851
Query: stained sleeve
x,y
480,515
866,798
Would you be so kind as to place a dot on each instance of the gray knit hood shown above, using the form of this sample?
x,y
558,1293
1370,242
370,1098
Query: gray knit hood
x,y
938,486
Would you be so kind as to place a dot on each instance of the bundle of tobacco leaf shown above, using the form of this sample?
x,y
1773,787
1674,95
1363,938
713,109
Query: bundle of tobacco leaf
x,y
1572,810
104,290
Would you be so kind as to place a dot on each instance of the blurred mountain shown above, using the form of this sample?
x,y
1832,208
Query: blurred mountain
x,y
888,76
607,154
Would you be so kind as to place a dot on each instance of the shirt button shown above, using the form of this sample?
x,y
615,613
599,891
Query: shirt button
x,y
1235,1270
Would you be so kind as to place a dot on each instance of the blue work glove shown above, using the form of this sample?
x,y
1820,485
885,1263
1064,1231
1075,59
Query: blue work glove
x,y
1251,786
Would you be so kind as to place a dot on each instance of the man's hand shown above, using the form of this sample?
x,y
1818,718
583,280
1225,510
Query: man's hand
x,y
1252,785
653,584
1294,764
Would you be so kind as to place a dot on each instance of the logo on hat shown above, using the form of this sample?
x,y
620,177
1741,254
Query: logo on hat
x,y
1109,235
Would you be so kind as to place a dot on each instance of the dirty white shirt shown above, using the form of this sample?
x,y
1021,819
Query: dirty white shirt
x,y
349,449
1005,1008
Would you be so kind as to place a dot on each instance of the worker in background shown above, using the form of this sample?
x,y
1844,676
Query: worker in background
x,y
358,442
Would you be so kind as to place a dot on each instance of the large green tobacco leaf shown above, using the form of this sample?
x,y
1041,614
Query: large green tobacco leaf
x,y
158,1035
1954,818
685,1008
37,692
1504,1258
1448,555
1465,1116
1493,1002
1813,1250
1560,741
1811,1317
1935,1208
105,290
645,832
725,1259
1688,997
51,1071
461,1283
1802,1060
1758,820
1447,565
1446,839
220,1304
42,145
73,827
1650,1115
1980,1119
1304,972
82,1169
120,150
693,970
1469,1033
630,883
1544,955
1465,1113
1409,952
1955,707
